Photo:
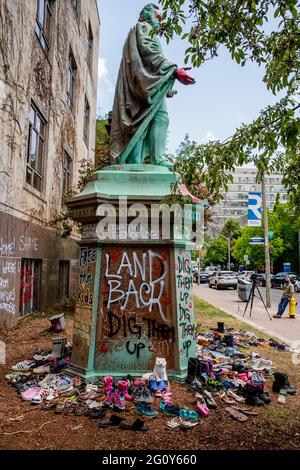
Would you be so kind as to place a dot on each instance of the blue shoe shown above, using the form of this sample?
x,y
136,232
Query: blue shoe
x,y
146,410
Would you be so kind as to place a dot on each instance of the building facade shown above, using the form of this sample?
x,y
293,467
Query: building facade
x,y
235,202
48,93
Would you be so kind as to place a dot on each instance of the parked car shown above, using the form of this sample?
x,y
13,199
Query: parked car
x,y
261,279
245,274
211,269
297,284
220,279
203,277
278,279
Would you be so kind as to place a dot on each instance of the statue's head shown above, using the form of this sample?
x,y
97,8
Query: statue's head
x,y
152,15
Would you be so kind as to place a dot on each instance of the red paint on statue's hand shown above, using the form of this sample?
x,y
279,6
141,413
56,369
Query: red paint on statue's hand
x,y
183,77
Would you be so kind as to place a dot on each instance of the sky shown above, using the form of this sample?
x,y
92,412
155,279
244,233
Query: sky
x,y
224,96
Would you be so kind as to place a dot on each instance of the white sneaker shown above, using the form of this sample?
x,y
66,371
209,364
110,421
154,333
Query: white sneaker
x,y
40,396
41,370
24,365
53,394
48,380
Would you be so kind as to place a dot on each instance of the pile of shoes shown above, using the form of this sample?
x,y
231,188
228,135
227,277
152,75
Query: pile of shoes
x,y
222,370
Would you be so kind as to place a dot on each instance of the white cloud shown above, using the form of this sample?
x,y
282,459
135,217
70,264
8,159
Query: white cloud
x,y
102,67
105,88
209,135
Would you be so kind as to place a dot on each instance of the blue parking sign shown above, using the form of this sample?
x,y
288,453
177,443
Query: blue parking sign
x,y
254,209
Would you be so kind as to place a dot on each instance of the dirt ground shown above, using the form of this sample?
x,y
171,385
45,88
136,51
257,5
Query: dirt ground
x,y
276,427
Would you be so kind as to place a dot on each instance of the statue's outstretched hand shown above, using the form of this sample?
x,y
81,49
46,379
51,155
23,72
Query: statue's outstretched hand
x,y
183,77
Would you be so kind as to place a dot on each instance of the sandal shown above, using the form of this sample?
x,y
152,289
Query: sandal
x,y
172,424
81,409
246,411
188,414
202,408
236,414
60,407
188,424
209,399
96,413
114,420
226,399
69,410
236,397
46,406
137,425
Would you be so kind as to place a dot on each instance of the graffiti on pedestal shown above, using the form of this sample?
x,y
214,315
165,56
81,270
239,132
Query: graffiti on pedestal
x,y
134,324
84,302
185,310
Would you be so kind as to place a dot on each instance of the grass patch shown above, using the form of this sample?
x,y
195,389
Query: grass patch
x,y
278,414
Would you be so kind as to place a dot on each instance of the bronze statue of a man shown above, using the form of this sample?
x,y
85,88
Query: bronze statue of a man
x,y
139,118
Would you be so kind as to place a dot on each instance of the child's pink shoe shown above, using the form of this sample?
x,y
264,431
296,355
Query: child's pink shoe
x,y
108,383
202,410
167,397
122,387
30,393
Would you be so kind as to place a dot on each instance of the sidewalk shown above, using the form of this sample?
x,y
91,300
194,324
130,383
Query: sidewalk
x,y
285,329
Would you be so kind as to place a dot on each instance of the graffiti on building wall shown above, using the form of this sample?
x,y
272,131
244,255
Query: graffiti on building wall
x,y
84,302
134,321
184,285
11,252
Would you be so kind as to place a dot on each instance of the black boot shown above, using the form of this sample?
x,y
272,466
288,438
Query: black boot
x,y
281,382
252,393
192,368
265,397
191,379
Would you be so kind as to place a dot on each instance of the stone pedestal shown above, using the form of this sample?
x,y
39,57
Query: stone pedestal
x,y
134,299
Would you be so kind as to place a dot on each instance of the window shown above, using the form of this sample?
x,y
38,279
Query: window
x,y
30,285
71,81
67,172
36,149
90,47
64,267
43,21
86,123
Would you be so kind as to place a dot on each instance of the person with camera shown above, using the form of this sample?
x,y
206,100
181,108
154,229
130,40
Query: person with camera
x,y
287,294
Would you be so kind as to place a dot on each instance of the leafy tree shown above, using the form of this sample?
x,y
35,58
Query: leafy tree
x,y
271,141
255,252
216,252
283,223
231,228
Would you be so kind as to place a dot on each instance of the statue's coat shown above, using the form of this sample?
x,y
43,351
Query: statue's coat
x,y
145,77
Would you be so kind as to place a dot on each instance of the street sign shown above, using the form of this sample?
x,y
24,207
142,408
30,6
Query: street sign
x,y
257,241
246,257
254,209
270,234
247,262
287,267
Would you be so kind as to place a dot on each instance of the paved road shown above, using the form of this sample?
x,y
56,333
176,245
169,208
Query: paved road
x,y
286,329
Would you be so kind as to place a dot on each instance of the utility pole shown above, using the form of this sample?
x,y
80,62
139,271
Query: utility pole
x,y
267,246
229,248
299,249
199,268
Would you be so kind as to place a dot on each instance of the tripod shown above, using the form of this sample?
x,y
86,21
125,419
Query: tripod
x,y
251,298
